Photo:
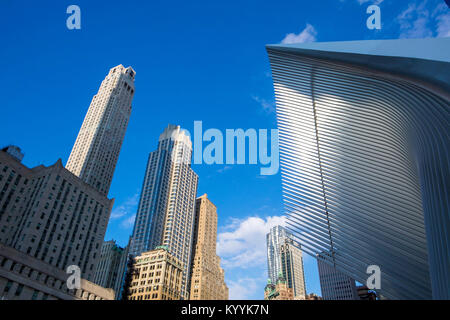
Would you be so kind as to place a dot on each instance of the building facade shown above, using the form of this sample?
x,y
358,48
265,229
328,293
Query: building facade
x,y
292,267
313,296
111,267
50,214
274,239
334,284
96,150
278,291
364,153
365,294
284,256
157,275
23,277
165,213
207,281
55,217
14,151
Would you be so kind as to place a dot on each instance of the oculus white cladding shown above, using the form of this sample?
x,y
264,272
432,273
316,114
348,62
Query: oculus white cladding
x,y
364,154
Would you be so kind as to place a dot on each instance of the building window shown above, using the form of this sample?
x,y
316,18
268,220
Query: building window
x,y
7,287
19,290
35,294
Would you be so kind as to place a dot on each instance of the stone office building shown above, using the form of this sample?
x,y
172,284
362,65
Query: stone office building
x,y
57,217
207,277
111,267
157,275
23,277
51,216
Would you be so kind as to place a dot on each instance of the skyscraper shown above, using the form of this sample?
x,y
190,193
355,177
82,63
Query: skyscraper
x,y
54,217
284,257
292,267
274,239
334,284
110,270
49,220
96,150
51,215
364,148
207,277
165,213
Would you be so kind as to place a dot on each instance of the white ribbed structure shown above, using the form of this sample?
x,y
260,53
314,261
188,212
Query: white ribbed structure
x,y
364,159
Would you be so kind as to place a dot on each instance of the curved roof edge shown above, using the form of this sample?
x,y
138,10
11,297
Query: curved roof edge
x,y
427,60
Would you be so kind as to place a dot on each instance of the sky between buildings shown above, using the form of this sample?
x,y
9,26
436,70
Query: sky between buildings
x,y
194,60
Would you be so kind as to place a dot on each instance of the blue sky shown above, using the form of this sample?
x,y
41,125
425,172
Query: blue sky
x,y
201,60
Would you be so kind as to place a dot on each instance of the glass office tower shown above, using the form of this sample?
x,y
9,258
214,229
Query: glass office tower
x,y
166,208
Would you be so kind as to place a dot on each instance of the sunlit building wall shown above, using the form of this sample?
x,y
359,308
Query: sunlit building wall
x,y
364,149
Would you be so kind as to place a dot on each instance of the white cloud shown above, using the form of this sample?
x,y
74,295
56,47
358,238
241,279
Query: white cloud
x,y
128,222
442,21
243,244
245,288
416,21
267,106
233,223
126,212
224,168
307,35
376,2
129,206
